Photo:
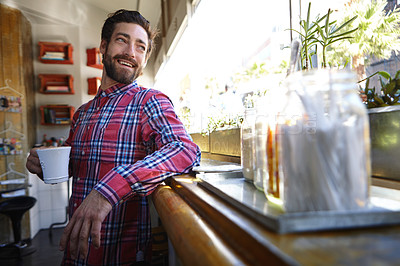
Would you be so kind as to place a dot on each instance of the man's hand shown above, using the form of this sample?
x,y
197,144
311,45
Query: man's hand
x,y
87,220
33,163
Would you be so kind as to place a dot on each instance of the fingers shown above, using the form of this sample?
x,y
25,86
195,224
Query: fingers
x,y
82,240
85,222
65,236
76,233
95,234
33,162
75,239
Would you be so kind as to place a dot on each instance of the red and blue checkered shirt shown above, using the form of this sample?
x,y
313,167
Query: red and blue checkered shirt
x,y
125,142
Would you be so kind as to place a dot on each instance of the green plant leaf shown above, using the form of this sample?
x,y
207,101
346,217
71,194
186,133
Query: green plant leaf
x,y
370,76
345,24
382,83
378,100
383,74
327,22
345,33
308,14
390,86
301,34
397,76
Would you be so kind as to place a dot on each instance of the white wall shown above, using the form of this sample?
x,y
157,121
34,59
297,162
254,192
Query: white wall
x,y
56,33
82,29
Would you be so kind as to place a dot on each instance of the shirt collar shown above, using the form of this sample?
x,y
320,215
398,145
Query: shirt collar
x,y
117,89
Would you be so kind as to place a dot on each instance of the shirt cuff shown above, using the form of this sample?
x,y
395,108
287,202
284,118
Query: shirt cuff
x,y
113,187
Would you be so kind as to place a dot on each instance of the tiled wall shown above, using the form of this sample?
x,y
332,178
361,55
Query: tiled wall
x,y
50,208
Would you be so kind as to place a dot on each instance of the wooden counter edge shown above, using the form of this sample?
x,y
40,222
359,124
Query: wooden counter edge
x,y
229,227
387,183
194,241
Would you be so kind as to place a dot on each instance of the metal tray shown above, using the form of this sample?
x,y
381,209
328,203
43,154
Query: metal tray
x,y
214,166
245,197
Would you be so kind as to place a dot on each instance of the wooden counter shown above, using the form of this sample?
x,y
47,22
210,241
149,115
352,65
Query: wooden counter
x,y
207,230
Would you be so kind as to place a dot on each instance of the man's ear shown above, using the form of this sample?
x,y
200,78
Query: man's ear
x,y
103,46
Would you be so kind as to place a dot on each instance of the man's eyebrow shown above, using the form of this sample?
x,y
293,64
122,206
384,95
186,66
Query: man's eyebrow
x,y
142,42
124,34
129,37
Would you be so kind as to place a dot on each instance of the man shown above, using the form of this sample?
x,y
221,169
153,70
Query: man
x,y
124,143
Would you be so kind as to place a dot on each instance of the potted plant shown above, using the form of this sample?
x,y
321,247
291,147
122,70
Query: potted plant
x,y
312,33
384,116
388,93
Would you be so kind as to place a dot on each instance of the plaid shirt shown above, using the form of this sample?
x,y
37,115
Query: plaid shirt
x,y
125,142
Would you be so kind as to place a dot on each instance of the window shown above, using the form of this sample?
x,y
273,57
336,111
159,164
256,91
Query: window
x,y
233,48
223,40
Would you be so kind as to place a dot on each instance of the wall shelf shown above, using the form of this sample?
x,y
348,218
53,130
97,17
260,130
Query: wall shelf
x,y
94,58
93,85
56,84
56,114
55,53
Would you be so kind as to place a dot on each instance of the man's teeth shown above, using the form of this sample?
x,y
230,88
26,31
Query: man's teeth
x,y
125,63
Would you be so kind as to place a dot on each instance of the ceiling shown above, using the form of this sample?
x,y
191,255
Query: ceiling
x,y
37,12
150,9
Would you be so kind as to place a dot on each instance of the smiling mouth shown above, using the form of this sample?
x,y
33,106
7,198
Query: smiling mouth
x,y
125,63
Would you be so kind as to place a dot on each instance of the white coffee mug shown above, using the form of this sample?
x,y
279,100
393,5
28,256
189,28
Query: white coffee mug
x,y
54,162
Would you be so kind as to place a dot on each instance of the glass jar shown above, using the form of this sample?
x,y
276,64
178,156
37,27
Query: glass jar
x,y
273,181
260,141
323,144
247,146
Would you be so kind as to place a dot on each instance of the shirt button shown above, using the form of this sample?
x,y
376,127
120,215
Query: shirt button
x,y
75,204
78,178
83,153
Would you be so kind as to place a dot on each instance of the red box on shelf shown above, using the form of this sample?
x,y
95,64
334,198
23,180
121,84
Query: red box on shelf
x,y
55,53
57,114
56,84
94,58
93,85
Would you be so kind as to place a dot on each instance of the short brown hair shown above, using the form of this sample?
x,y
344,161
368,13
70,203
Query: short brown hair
x,y
123,15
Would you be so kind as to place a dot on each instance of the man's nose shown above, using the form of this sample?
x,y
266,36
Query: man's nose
x,y
130,50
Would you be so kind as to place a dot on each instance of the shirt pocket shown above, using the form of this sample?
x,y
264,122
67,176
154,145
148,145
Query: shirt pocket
x,y
109,143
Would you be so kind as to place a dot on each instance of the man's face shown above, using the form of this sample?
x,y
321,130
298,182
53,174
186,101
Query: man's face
x,y
125,54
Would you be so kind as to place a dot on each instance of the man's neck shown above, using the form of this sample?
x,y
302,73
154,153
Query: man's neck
x,y
107,82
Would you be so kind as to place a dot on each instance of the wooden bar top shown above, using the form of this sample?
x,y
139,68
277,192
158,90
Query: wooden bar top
x,y
207,230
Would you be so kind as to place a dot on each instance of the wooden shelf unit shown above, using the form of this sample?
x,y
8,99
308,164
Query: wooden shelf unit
x,y
93,85
56,114
94,58
55,53
56,84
